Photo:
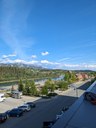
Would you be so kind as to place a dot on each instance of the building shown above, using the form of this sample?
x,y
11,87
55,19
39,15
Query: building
x,y
82,114
16,94
82,76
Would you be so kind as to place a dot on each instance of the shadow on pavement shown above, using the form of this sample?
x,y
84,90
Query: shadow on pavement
x,y
46,110
84,86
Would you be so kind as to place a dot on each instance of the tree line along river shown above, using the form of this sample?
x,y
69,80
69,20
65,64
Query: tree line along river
x,y
3,85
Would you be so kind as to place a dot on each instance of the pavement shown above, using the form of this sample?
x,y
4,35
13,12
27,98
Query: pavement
x,y
46,109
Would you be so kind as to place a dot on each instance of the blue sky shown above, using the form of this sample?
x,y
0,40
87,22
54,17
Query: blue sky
x,y
50,33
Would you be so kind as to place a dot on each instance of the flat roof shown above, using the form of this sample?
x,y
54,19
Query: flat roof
x,y
82,114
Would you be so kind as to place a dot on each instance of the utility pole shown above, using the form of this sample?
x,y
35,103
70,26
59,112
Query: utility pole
x,y
73,86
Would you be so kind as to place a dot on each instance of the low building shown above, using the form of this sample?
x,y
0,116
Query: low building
x,y
82,76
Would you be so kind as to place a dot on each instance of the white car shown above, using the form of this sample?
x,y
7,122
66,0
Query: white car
x,y
25,108
2,97
59,116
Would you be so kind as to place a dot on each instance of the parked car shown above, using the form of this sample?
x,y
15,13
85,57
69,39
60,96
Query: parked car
x,y
25,108
3,117
91,97
16,112
2,97
31,104
59,115
48,124
65,108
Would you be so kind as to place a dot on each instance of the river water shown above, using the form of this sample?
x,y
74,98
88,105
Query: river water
x,y
9,84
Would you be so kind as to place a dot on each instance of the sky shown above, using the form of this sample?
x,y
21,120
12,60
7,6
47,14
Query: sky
x,y
57,34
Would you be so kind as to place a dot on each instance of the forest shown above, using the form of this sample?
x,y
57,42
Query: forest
x,y
9,73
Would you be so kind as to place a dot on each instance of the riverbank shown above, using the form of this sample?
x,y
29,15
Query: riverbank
x,y
39,82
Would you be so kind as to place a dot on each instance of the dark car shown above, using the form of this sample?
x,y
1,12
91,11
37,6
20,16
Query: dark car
x,y
91,97
31,104
48,124
15,112
3,117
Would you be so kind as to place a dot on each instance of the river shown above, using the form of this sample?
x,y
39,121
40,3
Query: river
x,y
40,81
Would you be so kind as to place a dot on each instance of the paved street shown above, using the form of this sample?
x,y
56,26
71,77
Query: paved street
x,y
45,110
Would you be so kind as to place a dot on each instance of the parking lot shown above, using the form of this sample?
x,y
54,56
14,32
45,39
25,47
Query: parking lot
x,y
10,103
44,110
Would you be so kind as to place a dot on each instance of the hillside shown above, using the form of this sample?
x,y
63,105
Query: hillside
x,y
14,72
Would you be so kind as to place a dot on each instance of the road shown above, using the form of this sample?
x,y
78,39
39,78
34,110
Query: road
x,y
45,110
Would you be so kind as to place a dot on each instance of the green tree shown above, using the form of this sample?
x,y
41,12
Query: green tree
x,y
20,85
47,83
27,88
33,89
70,77
50,85
63,85
44,90
67,76
73,77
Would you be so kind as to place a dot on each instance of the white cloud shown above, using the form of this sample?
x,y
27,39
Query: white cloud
x,y
76,66
72,65
34,56
7,56
53,65
4,56
19,61
44,53
25,62
46,62
33,62
7,60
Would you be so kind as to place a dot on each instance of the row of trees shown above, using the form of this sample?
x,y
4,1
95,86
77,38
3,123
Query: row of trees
x,y
8,73
29,87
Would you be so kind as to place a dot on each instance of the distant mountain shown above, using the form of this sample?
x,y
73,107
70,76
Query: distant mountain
x,y
86,71
21,65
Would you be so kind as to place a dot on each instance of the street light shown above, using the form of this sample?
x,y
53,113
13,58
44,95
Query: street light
x,y
72,85
76,91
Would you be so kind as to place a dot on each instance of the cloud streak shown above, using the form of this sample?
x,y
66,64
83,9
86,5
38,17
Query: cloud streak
x,y
13,24
63,59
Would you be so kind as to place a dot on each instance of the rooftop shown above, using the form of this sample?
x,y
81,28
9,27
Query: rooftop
x,y
82,114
